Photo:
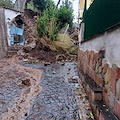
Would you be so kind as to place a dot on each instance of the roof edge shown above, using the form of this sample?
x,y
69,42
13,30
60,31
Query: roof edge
x,y
11,9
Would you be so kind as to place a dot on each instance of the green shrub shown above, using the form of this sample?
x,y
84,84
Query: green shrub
x,y
51,23
64,14
31,6
42,25
7,3
42,5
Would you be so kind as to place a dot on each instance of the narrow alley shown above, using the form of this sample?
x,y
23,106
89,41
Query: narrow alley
x,y
58,95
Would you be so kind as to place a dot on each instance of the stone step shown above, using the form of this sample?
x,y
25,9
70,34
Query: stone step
x,y
104,112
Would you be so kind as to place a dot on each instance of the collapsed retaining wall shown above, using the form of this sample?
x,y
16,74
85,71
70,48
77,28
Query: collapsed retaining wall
x,y
99,69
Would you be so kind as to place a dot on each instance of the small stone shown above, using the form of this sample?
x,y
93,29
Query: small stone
x,y
54,72
62,63
26,82
25,60
69,69
22,54
46,63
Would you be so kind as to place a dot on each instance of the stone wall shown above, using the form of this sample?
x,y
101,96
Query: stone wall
x,y
3,39
101,78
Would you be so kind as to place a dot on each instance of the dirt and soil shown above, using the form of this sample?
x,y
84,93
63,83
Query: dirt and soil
x,y
18,86
38,48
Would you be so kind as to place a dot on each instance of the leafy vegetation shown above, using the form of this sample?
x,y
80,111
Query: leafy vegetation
x,y
31,6
64,15
47,25
7,3
42,5
51,23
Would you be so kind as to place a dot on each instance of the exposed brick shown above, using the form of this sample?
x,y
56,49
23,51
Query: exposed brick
x,y
100,69
96,57
112,101
114,66
89,72
101,117
105,95
118,73
87,54
113,80
101,53
98,96
92,55
118,95
97,113
117,109
94,65
108,75
86,65
83,57
118,90
98,64
105,68
91,64
99,80
79,54
84,70
100,61
103,63
93,75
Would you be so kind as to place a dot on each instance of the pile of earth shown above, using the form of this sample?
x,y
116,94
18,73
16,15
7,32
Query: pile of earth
x,y
35,48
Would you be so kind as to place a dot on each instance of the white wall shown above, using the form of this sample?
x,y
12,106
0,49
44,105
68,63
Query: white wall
x,y
109,41
9,16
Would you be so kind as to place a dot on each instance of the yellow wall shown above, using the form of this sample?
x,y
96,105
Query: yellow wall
x,y
82,4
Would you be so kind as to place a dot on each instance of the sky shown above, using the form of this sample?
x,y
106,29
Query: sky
x,y
75,7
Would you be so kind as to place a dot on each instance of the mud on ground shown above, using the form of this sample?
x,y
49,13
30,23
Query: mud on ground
x,y
18,86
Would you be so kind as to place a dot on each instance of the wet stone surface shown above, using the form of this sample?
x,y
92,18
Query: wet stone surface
x,y
9,88
57,100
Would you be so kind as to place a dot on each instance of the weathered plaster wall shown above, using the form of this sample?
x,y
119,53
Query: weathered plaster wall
x,y
9,16
3,43
20,5
110,42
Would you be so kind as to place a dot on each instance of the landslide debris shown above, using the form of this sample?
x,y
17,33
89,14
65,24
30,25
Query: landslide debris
x,y
43,49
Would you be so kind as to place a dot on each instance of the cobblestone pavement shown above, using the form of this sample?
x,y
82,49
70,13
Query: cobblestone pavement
x,y
54,97
13,94
57,100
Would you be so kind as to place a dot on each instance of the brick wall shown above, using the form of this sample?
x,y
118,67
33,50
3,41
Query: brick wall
x,y
107,78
